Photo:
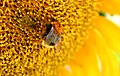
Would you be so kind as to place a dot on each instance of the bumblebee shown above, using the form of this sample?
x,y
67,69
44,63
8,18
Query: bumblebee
x,y
52,34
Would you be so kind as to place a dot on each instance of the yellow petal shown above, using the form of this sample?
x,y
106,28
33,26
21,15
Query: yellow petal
x,y
87,59
96,58
110,6
109,62
110,32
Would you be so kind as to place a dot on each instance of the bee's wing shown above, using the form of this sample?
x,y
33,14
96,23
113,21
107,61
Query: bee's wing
x,y
50,36
58,47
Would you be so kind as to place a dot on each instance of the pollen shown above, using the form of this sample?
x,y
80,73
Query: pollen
x,y
22,27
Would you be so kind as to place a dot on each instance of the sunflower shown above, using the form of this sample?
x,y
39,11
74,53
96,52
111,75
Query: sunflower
x,y
32,43
100,55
